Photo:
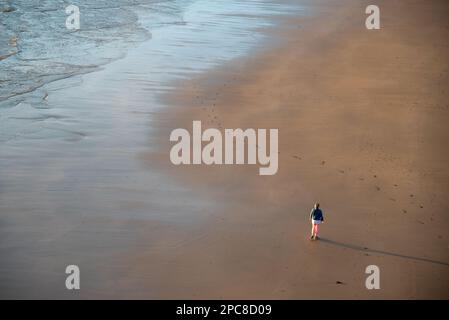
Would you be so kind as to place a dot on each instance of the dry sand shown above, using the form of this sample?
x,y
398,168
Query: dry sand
x,y
362,118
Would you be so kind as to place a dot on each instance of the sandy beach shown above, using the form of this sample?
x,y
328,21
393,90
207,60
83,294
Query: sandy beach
x,y
361,117
362,127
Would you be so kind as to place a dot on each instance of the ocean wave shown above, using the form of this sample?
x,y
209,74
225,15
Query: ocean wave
x,y
36,47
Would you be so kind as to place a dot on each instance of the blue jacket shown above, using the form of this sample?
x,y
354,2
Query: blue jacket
x,y
316,214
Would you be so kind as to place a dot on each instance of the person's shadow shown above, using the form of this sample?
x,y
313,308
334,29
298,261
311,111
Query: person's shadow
x,y
368,250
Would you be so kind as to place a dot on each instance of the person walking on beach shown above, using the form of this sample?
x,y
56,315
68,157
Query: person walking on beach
x,y
316,216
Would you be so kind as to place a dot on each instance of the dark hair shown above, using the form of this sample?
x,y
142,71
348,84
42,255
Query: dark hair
x,y
317,205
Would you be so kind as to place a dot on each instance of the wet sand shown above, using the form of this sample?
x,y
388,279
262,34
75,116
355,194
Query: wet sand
x,y
74,187
362,129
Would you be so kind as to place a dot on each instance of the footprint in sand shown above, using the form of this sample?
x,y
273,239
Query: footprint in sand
x,y
323,163
377,188
297,157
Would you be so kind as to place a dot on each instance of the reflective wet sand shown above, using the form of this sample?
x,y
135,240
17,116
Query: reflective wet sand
x,y
74,188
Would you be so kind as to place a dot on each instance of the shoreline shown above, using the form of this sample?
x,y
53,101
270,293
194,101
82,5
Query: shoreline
x,y
73,187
